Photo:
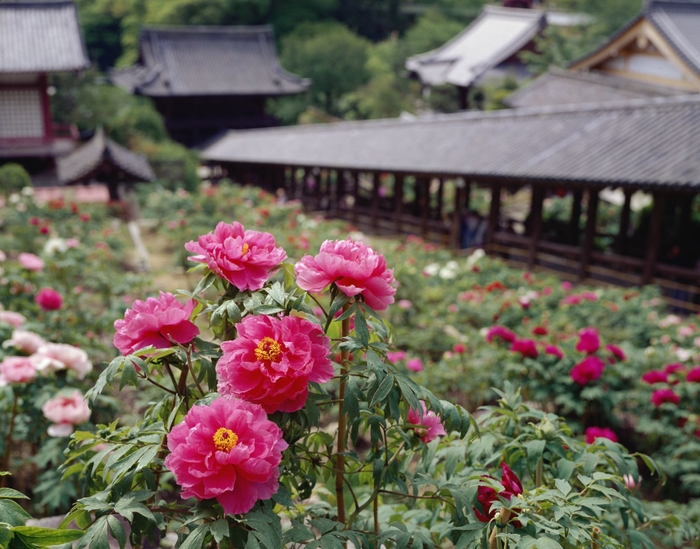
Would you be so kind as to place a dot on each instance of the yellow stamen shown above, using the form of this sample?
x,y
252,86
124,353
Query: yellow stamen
x,y
245,249
225,439
268,349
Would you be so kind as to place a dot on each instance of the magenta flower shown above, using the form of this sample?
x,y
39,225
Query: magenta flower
x,y
589,296
272,361
566,285
52,357
159,322
673,368
526,347
64,412
500,332
25,341
486,495
593,433
618,353
589,341
49,299
13,319
430,425
396,356
229,451
459,348
30,262
539,330
354,267
661,396
246,259
554,350
655,376
693,375
16,369
415,365
572,299
589,369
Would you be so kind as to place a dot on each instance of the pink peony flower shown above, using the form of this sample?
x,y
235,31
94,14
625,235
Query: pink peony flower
x,y
24,341
593,433
572,299
554,350
655,376
617,353
526,347
431,426
459,348
486,495
673,368
52,357
16,369
13,319
589,341
64,412
404,304
30,262
228,450
693,375
72,242
49,299
589,296
661,396
396,356
500,332
159,322
272,361
3,257
354,267
245,258
589,369
566,285
415,365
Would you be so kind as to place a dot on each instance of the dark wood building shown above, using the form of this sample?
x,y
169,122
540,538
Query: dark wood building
x,y
207,79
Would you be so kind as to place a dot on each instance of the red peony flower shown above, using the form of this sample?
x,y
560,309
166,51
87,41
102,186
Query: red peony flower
x,y
655,376
661,396
272,361
459,348
589,369
525,347
693,375
49,299
431,426
487,495
245,258
500,332
229,451
673,368
593,433
539,330
354,267
618,353
161,322
554,350
589,341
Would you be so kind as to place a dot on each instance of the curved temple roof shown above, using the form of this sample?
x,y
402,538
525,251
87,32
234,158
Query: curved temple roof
x,y
651,143
208,60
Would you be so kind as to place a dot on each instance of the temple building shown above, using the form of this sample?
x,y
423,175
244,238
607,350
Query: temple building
x,y
207,79
37,38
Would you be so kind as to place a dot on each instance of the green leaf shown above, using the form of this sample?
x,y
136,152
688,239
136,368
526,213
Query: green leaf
x,y
12,514
383,390
361,328
204,284
219,529
563,486
96,536
10,493
195,540
44,537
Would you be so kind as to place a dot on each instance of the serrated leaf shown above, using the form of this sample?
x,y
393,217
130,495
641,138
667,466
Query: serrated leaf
x,y
383,390
117,530
195,540
12,514
219,529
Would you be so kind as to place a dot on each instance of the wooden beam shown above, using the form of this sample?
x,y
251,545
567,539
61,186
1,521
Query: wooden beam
x,y
621,245
589,236
654,238
398,201
575,219
494,213
536,202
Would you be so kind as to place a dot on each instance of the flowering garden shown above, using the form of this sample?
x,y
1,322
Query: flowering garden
x,y
310,388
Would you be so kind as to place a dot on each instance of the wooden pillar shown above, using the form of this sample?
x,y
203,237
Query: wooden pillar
x,y
535,223
398,201
575,219
621,244
685,236
440,198
494,213
301,173
460,193
333,182
654,238
589,236
423,183
374,211
356,195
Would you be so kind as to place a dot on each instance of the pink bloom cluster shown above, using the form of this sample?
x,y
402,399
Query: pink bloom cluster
x,y
49,299
16,369
430,425
589,341
245,258
13,319
500,332
589,369
354,267
415,365
52,357
158,322
65,411
593,433
526,347
663,396
25,341
30,262
272,361
228,450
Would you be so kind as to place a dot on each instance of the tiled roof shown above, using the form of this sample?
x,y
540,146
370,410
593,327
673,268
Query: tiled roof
x,y
40,36
494,36
87,160
182,61
559,87
639,143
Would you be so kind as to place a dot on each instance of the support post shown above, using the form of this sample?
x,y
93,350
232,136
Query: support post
x,y
575,219
535,223
494,213
589,237
398,201
621,245
356,195
440,199
460,192
374,210
423,184
654,238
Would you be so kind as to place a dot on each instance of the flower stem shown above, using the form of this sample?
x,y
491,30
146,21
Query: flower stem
x,y
538,474
500,521
5,464
342,424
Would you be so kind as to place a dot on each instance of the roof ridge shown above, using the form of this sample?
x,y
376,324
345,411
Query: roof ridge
x,y
204,29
